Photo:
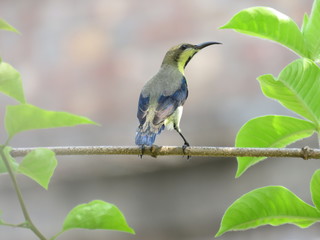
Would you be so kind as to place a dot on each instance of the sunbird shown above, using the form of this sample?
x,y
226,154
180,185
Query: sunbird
x,y
162,97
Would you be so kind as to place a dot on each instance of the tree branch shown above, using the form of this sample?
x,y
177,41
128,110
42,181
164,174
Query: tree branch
x,y
154,151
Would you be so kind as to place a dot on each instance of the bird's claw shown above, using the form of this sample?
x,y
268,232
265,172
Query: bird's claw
x,y
142,149
184,147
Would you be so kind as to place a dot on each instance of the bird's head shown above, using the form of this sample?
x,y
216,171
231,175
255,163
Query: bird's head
x,y
180,55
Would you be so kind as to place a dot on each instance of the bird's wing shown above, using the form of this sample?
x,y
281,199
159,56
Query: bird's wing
x,y
142,108
168,104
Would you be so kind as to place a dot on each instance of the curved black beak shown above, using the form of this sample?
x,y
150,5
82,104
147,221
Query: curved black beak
x,y
206,44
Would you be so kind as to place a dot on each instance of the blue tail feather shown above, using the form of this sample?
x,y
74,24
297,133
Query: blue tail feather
x,y
147,137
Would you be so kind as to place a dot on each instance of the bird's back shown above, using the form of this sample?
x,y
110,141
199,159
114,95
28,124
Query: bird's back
x,y
156,104
165,82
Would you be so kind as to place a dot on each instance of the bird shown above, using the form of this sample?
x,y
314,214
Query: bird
x,y
162,98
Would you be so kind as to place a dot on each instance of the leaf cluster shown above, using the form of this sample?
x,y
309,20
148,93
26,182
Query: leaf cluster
x,y
297,88
39,165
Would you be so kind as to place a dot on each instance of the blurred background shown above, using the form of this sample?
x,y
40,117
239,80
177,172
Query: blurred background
x,y
92,58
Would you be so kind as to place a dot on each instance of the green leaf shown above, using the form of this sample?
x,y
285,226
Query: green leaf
x,y
270,132
10,82
273,205
315,188
96,214
311,31
25,117
6,26
39,165
12,161
297,88
305,22
268,23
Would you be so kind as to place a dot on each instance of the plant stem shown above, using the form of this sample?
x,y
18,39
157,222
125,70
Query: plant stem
x,y
19,195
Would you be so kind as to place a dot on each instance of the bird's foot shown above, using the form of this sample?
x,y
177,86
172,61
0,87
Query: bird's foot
x,y
142,150
184,147
154,150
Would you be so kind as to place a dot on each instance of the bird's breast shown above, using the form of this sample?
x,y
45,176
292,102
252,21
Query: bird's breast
x,y
174,119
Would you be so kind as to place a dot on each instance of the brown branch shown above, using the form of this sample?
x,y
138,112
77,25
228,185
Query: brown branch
x,y
305,152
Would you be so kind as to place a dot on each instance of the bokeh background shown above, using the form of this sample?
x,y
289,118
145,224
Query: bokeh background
x,y
91,58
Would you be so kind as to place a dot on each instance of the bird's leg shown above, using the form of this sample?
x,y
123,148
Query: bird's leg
x,y
142,149
186,144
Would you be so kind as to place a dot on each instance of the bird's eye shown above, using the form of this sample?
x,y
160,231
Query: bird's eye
x,y
184,47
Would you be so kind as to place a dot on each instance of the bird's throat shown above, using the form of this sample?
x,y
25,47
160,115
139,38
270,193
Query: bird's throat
x,y
184,59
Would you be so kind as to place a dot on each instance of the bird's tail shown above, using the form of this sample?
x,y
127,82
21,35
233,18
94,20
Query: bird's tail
x,y
146,135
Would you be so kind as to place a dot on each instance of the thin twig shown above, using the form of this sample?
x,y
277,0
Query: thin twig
x,y
305,152
28,223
